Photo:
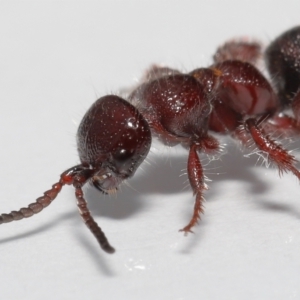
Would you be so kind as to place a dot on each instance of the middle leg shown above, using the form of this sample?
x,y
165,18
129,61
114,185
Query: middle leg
x,y
274,151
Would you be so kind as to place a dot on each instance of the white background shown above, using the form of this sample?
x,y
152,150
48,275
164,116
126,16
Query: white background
x,y
56,58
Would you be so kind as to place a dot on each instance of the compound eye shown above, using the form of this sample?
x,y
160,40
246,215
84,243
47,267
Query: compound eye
x,y
121,156
125,161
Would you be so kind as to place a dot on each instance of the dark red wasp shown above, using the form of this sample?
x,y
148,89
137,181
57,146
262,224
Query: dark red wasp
x,y
230,97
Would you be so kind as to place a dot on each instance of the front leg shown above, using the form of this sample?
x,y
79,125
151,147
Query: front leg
x,y
196,178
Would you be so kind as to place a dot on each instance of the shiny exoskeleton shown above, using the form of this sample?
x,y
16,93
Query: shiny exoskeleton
x,y
113,139
230,97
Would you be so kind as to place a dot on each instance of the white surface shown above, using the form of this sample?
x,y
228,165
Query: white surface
x,y
56,58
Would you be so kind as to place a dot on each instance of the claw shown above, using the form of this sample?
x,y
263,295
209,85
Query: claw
x,y
186,230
